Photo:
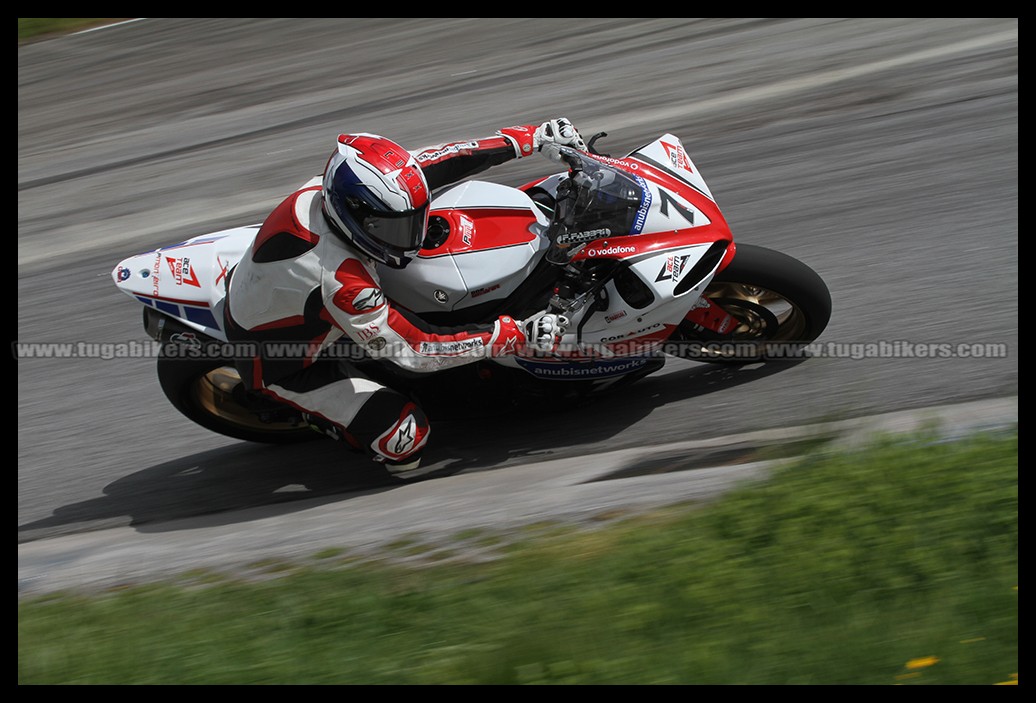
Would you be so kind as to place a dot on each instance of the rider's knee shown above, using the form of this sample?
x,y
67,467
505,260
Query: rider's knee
x,y
391,428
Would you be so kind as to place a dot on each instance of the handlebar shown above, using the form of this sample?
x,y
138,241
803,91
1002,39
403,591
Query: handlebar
x,y
561,155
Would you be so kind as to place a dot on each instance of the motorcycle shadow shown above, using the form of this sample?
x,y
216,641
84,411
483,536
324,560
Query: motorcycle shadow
x,y
493,437
217,485
245,481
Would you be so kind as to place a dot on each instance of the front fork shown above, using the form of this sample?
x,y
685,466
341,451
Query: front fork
x,y
708,319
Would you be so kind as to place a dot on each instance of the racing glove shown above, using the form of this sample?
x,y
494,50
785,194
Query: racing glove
x,y
558,131
525,139
543,331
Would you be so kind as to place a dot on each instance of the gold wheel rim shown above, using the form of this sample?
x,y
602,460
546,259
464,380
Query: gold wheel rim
x,y
213,392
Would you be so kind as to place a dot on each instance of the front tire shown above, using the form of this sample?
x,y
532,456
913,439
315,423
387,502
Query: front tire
x,y
209,392
780,305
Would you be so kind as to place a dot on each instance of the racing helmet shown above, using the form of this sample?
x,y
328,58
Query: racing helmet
x,y
376,197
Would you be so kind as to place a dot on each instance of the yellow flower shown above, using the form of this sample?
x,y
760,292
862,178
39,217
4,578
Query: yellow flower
x,y
921,662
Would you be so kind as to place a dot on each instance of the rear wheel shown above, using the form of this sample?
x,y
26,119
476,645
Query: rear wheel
x,y
779,304
209,392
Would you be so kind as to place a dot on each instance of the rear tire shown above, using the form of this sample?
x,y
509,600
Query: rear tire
x,y
780,303
209,392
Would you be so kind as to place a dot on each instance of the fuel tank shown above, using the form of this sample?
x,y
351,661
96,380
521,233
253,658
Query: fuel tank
x,y
483,240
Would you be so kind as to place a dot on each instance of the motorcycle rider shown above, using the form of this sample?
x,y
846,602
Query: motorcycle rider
x,y
311,277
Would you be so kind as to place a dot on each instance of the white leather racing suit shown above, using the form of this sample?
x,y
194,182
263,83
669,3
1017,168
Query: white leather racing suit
x,y
302,283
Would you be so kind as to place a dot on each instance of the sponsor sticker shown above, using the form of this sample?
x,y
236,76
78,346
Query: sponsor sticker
x,y
155,268
573,370
672,268
451,348
635,333
183,273
446,150
580,237
677,156
368,332
482,291
609,251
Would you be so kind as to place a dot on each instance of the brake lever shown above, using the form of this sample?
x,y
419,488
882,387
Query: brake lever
x,y
593,140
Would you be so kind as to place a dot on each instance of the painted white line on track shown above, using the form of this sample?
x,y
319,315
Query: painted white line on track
x,y
108,26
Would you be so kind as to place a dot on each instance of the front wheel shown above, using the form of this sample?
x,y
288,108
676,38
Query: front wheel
x,y
209,392
779,303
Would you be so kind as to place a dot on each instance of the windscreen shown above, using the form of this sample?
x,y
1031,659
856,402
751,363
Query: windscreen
x,y
596,200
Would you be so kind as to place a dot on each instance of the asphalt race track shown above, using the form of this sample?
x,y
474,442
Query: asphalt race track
x,y
882,152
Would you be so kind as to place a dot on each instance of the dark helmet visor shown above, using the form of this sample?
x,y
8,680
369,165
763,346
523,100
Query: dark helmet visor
x,y
367,217
401,230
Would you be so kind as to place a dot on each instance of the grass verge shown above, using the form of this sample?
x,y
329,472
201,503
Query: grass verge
x,y
892,564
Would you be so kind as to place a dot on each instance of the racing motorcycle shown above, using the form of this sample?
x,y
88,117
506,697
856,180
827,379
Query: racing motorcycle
x,y
633,250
